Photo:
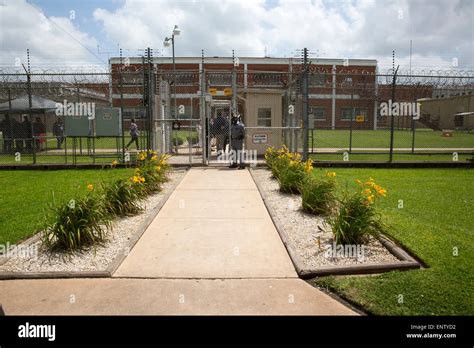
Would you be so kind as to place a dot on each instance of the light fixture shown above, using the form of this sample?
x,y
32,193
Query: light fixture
x,y
167,42
176,30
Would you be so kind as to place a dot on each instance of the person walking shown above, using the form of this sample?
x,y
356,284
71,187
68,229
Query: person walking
x,y
237,136
58,132
133,134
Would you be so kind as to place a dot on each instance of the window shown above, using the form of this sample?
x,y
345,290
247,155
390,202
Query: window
x,y
219,79
318,112
346,113
317,79
266,79
264,117
132,79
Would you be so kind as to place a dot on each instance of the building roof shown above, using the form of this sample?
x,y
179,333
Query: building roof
x,y
248,60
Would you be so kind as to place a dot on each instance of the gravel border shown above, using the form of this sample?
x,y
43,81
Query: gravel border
x,y
309,240
100,261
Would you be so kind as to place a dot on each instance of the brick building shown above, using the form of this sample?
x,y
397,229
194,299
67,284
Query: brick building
x,y
338,89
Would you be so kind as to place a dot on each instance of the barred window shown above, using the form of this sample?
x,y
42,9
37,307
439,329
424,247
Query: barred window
x,y
346,113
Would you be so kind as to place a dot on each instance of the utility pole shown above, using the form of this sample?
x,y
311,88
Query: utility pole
x,y
305,103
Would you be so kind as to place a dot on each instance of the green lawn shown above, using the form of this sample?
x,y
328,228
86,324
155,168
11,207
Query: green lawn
x,y
381,138
397,157
25,194
436,217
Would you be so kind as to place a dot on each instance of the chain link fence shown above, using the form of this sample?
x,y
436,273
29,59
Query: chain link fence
x,y
349,114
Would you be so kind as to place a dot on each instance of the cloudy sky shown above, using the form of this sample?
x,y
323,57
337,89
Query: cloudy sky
x,y
88,32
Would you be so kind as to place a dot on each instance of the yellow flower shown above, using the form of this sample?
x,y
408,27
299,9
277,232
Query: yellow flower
x,y
158,168
370,199
154,157
308,167
382,192
90,187
114,163
331,174
367,192
138,179
358,182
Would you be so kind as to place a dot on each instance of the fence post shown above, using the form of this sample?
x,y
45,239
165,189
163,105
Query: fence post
x,y
392,123
305,103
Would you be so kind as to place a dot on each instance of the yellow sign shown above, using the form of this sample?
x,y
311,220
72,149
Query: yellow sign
x,y
228,91
212,91
360,118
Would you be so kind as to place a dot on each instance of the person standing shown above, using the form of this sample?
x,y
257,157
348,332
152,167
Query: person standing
x,y
39,132
58,132
7,133
237,136
221,130
133,134
27,132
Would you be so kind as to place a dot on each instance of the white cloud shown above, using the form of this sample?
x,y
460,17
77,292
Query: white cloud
x,y
441,30
53,42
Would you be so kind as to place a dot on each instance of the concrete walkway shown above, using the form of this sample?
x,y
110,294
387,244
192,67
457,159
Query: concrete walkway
x,y
212,249
214,225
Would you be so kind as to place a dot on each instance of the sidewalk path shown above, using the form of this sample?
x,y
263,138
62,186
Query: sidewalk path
x,y
214,225
212,249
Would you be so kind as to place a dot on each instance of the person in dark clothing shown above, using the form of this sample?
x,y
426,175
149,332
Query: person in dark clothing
x,y
133,134
7,132
27,132
39,130
237,136
221,129
58,132
18,135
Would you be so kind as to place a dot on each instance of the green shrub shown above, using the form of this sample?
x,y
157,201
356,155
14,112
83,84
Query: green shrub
x,y
192,139
78,223
153,168
177,140
291,177
318,195
122,197
357,218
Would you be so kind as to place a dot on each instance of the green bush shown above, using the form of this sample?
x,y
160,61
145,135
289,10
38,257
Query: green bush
x,y
192,139
291,177
177,140
76,224
318,195
122,197
357,218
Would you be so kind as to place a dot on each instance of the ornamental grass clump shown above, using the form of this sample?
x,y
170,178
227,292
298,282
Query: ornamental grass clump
x,y
318,194
122,197
76,224
357,218
153,168
292,176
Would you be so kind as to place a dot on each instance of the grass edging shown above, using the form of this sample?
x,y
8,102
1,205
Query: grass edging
x,y
407,261
114,264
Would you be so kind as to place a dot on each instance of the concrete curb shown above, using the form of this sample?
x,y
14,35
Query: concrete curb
x,y
407,261
295,258
107,273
